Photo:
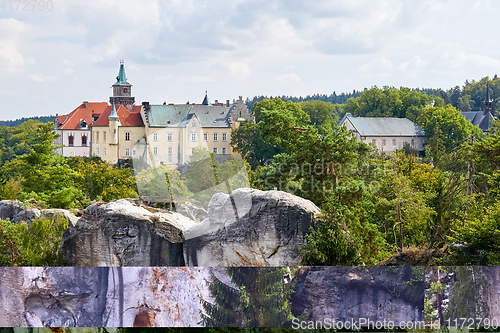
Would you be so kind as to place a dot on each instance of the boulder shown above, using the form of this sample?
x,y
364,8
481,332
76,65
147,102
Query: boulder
x,y
121,233
250,228
9,209
49,213
354,292
27,215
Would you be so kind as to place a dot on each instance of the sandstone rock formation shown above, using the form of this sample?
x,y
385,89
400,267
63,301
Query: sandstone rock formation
x,y
102,296
160,297
250,228
344,293
14,211
9,209
121,233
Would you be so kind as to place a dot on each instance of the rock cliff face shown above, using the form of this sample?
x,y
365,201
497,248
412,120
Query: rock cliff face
x,y
160,297
345,293
250,228
102,296
121,233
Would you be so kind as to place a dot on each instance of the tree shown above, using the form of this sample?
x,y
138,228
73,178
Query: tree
x,y
44,175
258,297
390,102
328,170
323,115
36,245
162,183
330,243
100,181
447,127
247,140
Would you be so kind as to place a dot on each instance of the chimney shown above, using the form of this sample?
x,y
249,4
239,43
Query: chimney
x,y
86,104
145,105
216,102
227,102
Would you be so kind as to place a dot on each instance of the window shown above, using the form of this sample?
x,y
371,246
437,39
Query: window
x,y
127,152
127,136
193,136
224,137
215,136
155,151
215,150
224,151
423,142
393,142
193,124
155,137
170,151
104,137
412,142
71,140
97,151
84,140
374,142
96,137
169,136
383,142
205,137
104,151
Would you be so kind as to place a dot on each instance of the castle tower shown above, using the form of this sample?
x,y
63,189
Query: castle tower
x,y
122,90
488,101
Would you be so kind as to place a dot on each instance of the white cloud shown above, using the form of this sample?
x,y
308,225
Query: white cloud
x,y
239,69
380,67
43,78
288,78
12,59
412,67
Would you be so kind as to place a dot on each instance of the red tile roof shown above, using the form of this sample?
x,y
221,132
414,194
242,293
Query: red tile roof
x,y
127,118
73,119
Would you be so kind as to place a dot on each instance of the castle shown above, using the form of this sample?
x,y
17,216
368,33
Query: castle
x,y
163,134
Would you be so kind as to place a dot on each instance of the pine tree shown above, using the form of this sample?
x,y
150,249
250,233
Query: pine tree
x,y
258,297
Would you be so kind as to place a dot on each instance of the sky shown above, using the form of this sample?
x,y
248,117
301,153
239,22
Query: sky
x,y
54,54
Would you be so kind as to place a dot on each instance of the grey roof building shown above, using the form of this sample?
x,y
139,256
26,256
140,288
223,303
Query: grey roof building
x,y
482,118
388,134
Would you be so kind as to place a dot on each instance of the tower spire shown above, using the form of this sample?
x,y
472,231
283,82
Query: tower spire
x,y
205,100
488,101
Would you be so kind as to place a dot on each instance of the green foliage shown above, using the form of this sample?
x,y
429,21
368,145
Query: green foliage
x,y
162,183
329,243
477,230
16,141
323,115
328,170
249,143
205,176
390,102
100,181
44,175
258,297
36,245
400,200
445,127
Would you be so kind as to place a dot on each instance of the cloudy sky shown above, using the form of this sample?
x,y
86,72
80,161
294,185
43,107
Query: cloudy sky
x,y
55,54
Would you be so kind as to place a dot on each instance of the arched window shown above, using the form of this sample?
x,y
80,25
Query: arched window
x,y
84,140
71,140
